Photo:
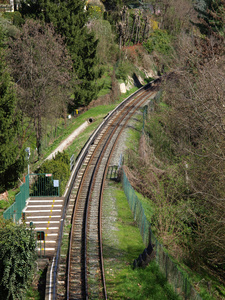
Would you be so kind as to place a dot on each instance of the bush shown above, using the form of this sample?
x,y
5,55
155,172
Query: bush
x,y
123,70
159,41
59,167
95,11
15,17
17,259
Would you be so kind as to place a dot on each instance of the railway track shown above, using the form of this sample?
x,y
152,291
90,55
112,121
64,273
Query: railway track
x,y
82,273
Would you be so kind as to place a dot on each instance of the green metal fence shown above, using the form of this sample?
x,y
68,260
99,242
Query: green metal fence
x,y
177,278
15,210
43,185
35,185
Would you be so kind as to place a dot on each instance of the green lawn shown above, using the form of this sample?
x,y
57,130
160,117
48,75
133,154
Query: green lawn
x,y
122,243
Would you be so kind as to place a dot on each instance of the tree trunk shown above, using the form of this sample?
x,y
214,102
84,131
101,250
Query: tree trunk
x,y
39,131
134,22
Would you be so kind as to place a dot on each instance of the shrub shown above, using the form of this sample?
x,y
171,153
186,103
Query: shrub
x,y
15,17
123,70
59,167
17,259
159,41
95,11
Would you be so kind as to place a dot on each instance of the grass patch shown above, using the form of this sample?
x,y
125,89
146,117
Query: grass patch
x,y
106,83
147,206
37,289
128,93
4,204
124,245
127,228
148,283
135,132
33,294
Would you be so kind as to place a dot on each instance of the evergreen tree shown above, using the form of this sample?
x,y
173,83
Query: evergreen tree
x,y
70,19
11,164
115,4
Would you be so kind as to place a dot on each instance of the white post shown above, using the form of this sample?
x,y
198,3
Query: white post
x,y
12,5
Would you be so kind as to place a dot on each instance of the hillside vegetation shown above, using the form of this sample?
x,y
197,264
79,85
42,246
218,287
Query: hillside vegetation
x,y
55,60
179,165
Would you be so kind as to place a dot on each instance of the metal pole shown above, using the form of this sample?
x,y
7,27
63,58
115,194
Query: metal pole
x,y
28,156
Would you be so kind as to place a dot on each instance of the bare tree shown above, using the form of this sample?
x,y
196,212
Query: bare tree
x,y
41,69
196,125
175,15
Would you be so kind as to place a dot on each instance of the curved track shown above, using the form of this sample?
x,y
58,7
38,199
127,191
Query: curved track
x,y
85,268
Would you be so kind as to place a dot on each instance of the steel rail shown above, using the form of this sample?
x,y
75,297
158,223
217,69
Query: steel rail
x,y
80,159
101,126
89,195
71,240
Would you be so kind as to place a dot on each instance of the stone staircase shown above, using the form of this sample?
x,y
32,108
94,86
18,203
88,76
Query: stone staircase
x,y
44,214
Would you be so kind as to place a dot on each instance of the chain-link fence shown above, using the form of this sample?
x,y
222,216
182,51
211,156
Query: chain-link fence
x,y
15,210
175,276
58,130
53,134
